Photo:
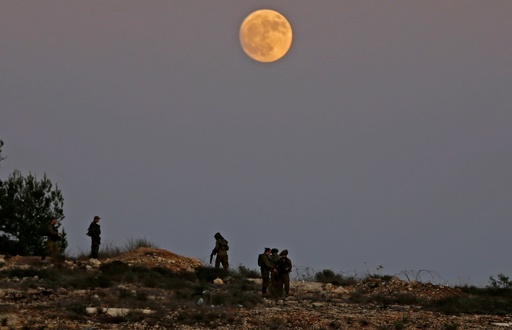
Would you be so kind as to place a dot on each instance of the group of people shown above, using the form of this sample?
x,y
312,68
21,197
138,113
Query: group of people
x,y
53,237
275,267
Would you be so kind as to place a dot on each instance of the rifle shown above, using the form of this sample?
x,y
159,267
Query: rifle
x,y
211,256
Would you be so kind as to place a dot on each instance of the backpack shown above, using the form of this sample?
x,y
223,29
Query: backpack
x,y
224,244
260,262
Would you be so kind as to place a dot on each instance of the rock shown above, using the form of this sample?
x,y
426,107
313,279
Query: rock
x,y
94,263
116,311
218,281
91,310
340,289
306,286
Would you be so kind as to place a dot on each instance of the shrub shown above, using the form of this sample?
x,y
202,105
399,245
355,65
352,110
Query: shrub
x,y
26,207
248,273
109,251
114,268
358,297
135,243
328,276
211,317
502,282
208,274
480,301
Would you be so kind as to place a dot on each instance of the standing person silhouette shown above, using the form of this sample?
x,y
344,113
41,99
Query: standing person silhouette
x,y
221,250
94,231
52,241
266,267
284,267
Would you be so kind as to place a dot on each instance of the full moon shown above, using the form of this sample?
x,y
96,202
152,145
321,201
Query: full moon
x,y
265,35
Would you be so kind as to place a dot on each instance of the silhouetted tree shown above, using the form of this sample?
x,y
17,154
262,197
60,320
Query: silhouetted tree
x,y
26,207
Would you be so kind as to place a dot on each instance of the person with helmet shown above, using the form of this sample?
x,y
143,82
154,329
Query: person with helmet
x,y
266,267
221,250
284,267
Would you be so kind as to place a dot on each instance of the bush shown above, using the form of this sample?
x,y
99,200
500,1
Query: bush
x,y
135,243
328,276
481,301
208,274
245,272
502,282
26,207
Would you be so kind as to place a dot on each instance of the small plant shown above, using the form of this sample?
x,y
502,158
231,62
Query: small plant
x,y
401,324
325,276
24,272
335,325
208,274
76,310
377,272
482,301
450,326
212,318
398,299
358,297
114,268
109,251
328,276
307,274
418,276
502,282
245,272
135,243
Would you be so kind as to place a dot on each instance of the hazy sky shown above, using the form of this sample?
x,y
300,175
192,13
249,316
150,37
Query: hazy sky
x,y
384,137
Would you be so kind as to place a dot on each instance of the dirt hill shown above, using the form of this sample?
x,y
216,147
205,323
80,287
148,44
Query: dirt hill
x,y
139,290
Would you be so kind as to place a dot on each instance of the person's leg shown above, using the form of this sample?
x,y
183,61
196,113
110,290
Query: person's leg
x,y
279,285
95,247
225,262
45,252
49,248
265,278
286,282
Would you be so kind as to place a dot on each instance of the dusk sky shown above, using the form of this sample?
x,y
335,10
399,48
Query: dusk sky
x,y
382,138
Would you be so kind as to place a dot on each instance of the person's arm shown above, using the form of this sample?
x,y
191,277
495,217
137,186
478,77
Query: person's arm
x,y
268,263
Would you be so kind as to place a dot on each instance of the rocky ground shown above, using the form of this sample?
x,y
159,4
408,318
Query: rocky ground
x,y
30,303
